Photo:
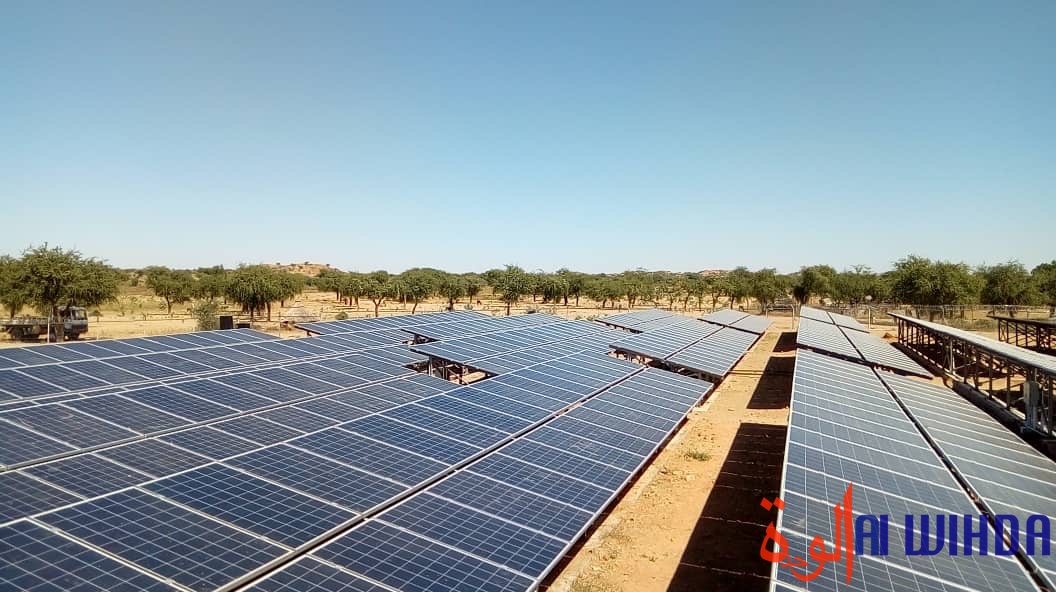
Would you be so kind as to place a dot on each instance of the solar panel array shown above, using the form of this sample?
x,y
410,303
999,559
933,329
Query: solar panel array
x,y
439,331
394,322
855,345
832,318
698,347
1008,350
476,347
503,521
845,427
1005,473
629,320
207,480
739,320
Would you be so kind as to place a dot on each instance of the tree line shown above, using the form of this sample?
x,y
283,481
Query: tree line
x,y
46,278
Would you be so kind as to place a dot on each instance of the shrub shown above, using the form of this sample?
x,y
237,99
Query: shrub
x,y
341,316
207,314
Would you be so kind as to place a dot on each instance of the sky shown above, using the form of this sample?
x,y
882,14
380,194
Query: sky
x,y
599,136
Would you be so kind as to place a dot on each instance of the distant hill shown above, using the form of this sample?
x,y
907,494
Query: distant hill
x,y
307,268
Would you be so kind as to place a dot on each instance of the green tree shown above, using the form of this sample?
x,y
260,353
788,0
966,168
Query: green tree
x,y
575,281
419,284
377,288
1044,277
513,284
474,284
919,281
767,286
1007,284
13,295
816,280
254,287
738,285
210,282
172,286
452,287
53,277
857,285
603,289
554,288
206,315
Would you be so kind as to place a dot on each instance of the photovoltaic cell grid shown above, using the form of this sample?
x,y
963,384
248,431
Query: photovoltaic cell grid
x,y
441,331
628,320
739,320
115,371
447,425
666,341
1007,475
832,318
279,499
846,428
855,345
395,322
717,353
504,521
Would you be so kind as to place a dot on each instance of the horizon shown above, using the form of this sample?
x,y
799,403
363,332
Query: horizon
x,y
467,137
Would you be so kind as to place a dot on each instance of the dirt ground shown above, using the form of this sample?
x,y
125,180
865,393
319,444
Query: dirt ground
x,y
692,521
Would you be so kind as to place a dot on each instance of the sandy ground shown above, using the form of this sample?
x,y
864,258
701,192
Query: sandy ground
x,y
692,520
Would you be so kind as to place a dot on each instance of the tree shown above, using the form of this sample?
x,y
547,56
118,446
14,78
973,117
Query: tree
x,y
452,287
857,285
1044,277
474,284
554,288
254,287
353,287
603,289
1007,284
419,284
13,295
917,280
377,288
767,286
53,277
174,287
511,285
206,315
738,285
575,281
816,280
210,283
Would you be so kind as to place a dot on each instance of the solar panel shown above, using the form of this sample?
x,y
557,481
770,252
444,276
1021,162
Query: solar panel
x,y
878,352
324,478
165,539
128,413
88,475
67,425
37,559
311,575
726,317
894,471
716,354
22,495
210,442
825,337
154,457
272,511
414,564
370,455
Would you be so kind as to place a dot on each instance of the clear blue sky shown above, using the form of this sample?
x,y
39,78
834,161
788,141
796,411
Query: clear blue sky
x,y
467,135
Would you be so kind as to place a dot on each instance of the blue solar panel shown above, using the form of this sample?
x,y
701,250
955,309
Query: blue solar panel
x,y
257,429
165,539
599,474
481,415
413,564
604,435
206,358
586,448
510,406
21,385
322,477
22,445
294,379
105,372
60,375
298,419
154,457
181,404
542,481
410,438
210,442
513,503
503,542
309,575
26,356
88,475
181,365
36,559
213,391
68,425
128,413
448,425
22,495
370,455
331,409
269,510
261,386
142,367
341,379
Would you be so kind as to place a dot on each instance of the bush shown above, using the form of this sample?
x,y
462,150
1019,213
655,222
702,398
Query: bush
x,y
341,316
207,314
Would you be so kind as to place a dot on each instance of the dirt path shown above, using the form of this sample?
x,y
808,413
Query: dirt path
x,y
692,521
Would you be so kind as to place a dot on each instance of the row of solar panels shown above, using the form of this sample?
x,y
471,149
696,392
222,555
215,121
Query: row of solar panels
x,y
1012,352
845,427
832,318
48,381
473,348
215,525
691,345
640,321
855,345
394,322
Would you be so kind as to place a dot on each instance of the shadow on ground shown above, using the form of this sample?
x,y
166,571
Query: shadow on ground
x,y
774,389
723,551
786,342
